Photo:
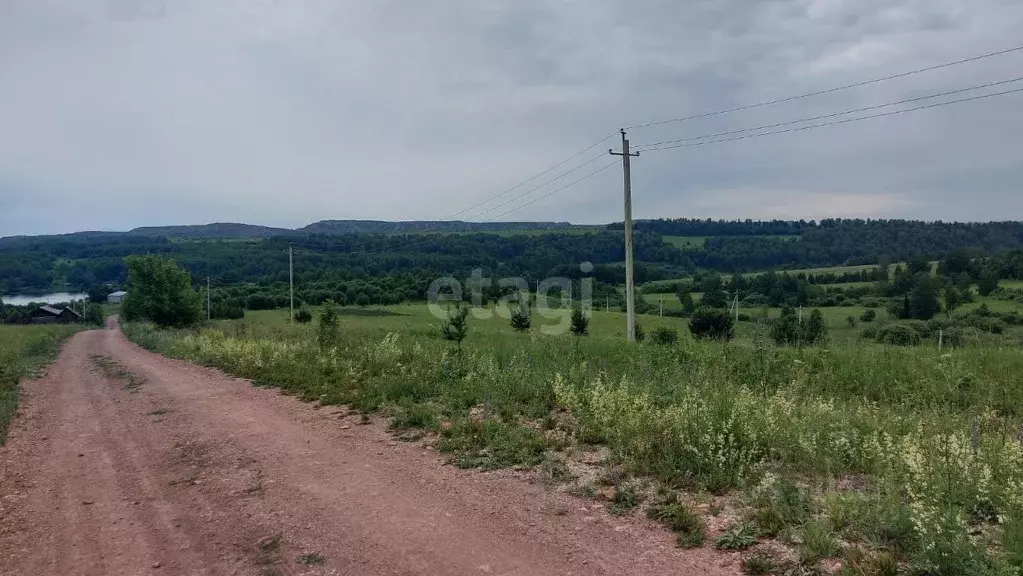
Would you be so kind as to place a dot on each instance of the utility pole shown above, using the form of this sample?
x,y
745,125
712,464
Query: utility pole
x,y
607,303
208,314
291,279
630,288
662,306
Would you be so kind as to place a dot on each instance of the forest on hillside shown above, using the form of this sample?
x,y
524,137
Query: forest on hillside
x,y
386,268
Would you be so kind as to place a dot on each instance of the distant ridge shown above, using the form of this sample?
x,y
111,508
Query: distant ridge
x,y
236,230
214,230
409,226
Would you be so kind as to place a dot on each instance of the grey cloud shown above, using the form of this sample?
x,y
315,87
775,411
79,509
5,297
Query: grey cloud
x,y
281,113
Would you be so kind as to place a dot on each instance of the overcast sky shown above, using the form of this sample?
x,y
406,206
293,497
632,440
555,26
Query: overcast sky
x,y
123,113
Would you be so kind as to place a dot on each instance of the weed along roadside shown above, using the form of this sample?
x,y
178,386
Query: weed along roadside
x,y
871,458
23,351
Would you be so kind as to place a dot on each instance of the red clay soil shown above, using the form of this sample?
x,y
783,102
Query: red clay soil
x,y
197,472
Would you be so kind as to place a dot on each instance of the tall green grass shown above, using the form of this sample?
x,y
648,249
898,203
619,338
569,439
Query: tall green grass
x,y
23,350
935,434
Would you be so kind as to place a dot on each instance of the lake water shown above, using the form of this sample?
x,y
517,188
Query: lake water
x,y
51,298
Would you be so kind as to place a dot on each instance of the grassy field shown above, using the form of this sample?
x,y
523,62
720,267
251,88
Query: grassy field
x,y
668,286
891,460
23,350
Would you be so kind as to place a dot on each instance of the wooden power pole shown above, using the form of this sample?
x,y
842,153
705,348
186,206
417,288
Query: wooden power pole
x,y
291,279
630,288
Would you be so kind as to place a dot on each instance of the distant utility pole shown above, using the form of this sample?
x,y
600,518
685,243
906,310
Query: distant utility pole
x,y
208,314
291,279
662,305
630,288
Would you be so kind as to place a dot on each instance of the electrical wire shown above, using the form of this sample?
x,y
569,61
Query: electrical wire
x,y
531,178
642,147
553,192
827,91
846,121
535,188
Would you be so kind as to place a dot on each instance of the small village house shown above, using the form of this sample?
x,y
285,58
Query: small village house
x,y
51,315
116,297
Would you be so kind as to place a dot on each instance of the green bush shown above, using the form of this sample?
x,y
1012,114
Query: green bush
x,y
303,316
94,315
664,335
898,335
712,323
160,291
328,330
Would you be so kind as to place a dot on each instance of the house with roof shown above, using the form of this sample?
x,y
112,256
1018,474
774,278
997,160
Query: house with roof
x,y
116,297
50,315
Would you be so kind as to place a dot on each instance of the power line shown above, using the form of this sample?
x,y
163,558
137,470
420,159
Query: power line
x,y
532,178
846,121
829,90
843,113
553,192
535,188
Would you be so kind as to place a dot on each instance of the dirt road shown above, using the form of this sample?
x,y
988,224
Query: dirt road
x,y
169,468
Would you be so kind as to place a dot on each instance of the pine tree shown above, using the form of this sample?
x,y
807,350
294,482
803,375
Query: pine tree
x,y
580,323
688,305
815,331
456,327
520,318
987,283
785,330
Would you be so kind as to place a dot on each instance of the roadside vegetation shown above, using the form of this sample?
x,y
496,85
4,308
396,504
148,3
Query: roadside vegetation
x,y
23,351
869,456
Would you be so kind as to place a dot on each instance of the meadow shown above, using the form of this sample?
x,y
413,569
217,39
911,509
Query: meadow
x,y
23,351
853,456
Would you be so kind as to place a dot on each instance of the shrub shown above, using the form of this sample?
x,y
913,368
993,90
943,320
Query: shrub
x,y
303,316
94,314
640,334
224,311
712,323
898,335
664,336
327,332
868,315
